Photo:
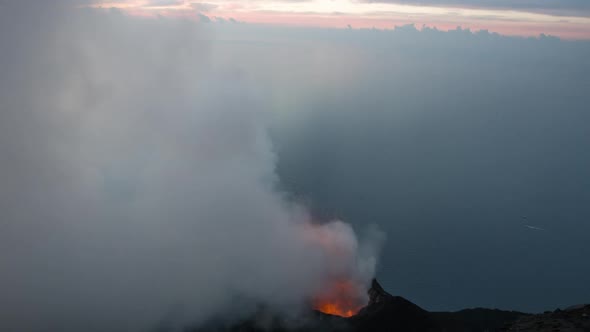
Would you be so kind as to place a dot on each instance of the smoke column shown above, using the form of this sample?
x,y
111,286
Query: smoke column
x,y
137,181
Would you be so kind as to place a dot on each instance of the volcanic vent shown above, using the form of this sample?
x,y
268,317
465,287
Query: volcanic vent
x,y
343,298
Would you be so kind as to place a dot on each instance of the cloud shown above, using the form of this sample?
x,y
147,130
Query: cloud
x,y
163,3
138,182
203,6
203,18
520,19
567,7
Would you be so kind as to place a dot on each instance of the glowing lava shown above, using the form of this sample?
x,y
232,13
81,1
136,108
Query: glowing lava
x,y
343,291
343,298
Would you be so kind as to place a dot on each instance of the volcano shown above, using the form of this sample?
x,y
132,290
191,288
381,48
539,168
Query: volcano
x,y
392,313
383,312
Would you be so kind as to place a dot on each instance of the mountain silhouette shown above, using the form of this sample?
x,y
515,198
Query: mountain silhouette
x,y
388,313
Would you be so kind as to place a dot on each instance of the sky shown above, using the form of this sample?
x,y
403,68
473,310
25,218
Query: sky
x,y
567,19
158,171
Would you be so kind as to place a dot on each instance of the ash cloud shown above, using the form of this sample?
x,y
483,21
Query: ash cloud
x,y
138,181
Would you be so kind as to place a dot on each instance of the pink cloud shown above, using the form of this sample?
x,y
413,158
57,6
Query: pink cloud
x,y
365,15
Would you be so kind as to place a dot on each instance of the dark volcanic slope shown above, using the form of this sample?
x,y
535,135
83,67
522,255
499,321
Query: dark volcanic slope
x,y
384,312
573,319
478,319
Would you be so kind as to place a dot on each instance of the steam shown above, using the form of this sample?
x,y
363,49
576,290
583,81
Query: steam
x,y
138,184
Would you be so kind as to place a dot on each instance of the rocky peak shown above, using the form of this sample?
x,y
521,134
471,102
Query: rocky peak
x,y
377,294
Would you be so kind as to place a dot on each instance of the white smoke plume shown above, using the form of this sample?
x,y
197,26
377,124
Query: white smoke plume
x,y
137,181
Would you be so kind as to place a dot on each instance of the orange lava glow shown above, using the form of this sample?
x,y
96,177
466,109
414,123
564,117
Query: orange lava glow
x,y
342,298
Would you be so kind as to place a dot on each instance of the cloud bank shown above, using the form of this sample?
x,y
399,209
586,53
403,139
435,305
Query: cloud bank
x,y
566,19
